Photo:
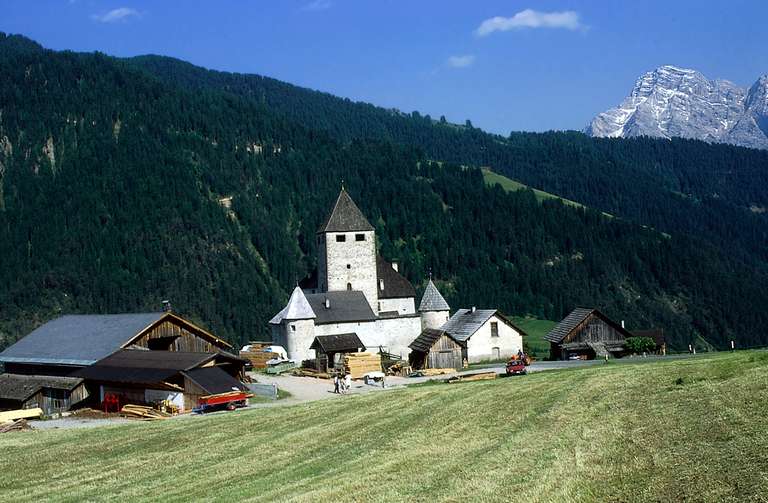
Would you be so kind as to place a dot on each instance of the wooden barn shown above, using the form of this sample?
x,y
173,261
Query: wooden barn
x,y
437,349
330,349
50,393
71,342
145,377
588,334
62,347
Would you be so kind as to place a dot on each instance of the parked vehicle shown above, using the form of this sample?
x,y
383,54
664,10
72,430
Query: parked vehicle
x,y
516,367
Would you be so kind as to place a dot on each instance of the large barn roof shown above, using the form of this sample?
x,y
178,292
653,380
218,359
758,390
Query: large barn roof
x,y
80,339
338,343
574,319
345,216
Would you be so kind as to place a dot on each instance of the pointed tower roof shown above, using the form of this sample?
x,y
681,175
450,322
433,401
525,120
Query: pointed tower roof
x,y
298,308
345,216
432,299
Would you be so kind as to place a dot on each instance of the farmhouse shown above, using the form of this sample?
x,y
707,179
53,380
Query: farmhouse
x,y
355,291
486,334
586,333
139,376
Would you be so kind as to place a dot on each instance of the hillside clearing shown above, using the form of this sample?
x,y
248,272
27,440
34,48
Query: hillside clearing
x,y
536,330
676,430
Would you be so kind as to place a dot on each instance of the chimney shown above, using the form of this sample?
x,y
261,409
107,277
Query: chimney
x,y
395,266
474,309
327,303
166,306
622,323
381,285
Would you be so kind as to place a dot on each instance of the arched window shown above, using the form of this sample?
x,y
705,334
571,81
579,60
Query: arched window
x,y
349,286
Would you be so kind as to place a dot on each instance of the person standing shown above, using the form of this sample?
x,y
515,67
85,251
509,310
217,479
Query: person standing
x,y
336,383
348,382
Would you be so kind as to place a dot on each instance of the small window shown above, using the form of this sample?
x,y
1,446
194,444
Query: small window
x,y
359,237
349,266
340,238
494,329
293,328
349,286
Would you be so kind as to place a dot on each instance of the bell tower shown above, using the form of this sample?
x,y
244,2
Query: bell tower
x,y
346,245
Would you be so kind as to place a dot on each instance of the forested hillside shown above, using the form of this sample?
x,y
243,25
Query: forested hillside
x,y
111,188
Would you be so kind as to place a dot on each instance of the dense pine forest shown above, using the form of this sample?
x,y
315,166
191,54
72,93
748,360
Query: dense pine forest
x,y
114,176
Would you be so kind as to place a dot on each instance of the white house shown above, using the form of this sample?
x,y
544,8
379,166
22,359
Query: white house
x,y
488,334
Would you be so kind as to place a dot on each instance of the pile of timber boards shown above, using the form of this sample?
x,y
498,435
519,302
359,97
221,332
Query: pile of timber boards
x,y
18,425
436,372
258,359
359,364
142,412
13,415
473,377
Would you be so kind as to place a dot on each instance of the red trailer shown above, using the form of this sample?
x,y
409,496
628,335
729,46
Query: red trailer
x,y
230,401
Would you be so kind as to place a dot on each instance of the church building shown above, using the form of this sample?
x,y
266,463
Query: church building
x,y
355,291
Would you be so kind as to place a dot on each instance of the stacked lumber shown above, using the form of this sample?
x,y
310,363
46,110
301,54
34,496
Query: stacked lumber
x,y
258,359
474,377
310,372
18,425
142,412
13,415
437,372
359,364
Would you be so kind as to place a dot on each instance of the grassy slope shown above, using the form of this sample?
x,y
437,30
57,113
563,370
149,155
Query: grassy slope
x,y
508,184
608,433
536,330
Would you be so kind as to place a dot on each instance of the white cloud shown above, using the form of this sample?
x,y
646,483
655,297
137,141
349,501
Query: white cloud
x,y
528,18
316,5
461,61
115,15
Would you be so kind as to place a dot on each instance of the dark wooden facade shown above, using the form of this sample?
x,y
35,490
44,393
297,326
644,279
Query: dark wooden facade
x,y
435,349
592,336
173,333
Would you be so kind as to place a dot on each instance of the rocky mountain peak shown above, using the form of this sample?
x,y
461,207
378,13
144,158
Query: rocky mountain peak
x,y
679,102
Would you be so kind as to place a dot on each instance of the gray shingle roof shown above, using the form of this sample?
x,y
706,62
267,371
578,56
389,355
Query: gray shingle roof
x,y
433,300
214,380
79,339
338,342
562,329
21,387
345,216
427,338
345,306
465,323
395,285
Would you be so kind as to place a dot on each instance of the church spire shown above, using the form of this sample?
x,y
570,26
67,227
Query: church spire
x,y
345,216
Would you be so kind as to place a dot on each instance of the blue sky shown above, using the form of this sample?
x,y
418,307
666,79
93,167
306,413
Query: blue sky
x,y
505,65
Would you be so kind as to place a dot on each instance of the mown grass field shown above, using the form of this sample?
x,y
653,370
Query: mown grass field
x,y
692,429
536,330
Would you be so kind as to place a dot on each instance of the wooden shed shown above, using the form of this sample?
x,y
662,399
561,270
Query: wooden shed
x,y
588,334
50,393
330,349
435,349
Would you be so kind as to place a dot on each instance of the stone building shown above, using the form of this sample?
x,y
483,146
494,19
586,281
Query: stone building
x,y
355,291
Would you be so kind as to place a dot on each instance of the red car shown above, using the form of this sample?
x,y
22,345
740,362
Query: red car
x,y
516,367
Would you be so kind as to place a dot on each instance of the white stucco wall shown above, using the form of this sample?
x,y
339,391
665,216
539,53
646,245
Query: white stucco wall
x,y
394,334
350,262
480,345
403,305
434,319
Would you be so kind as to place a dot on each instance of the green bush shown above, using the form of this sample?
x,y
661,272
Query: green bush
x,y
640,344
